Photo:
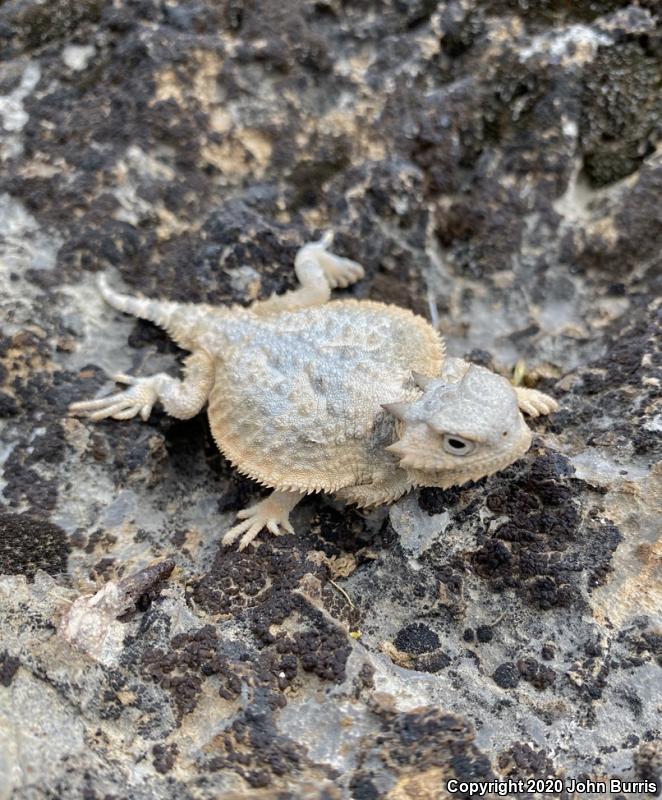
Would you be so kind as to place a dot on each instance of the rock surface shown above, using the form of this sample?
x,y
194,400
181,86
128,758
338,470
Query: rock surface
x,y
493,165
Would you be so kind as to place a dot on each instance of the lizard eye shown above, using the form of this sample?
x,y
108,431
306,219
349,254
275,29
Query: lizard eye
x,y
456,445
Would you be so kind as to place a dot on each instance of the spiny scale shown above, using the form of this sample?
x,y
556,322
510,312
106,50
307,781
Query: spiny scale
x,y
296,396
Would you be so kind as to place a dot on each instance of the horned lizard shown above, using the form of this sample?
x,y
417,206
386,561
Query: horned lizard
x,y
353,398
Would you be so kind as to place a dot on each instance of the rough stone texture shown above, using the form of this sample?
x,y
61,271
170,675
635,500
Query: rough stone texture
x,y
493,165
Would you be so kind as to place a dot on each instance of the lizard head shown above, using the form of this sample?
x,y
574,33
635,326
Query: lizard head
x,y
462,430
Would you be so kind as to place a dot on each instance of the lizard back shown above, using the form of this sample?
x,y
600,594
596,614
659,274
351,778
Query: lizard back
x,y
296,403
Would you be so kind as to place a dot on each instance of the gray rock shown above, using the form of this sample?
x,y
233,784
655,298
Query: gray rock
x,y
495,166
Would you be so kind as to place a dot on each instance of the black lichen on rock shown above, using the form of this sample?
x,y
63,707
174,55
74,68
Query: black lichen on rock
x,y
621,117
8,667
539,551
506,675
28,544
189,660
416,745
416,639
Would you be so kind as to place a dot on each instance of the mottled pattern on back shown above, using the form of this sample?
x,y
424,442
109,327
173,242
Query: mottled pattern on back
x,y
297,397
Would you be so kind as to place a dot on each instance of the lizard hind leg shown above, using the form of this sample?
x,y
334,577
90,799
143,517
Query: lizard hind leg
x,y
181,399
272,513
319,271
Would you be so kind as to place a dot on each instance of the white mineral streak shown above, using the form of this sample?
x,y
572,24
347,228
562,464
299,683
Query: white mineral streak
x,y
23,244
578,42
12,114
417,532
77,56
91,623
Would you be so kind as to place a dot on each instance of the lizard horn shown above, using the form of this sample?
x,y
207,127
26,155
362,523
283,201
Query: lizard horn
x,y
398,410
422,381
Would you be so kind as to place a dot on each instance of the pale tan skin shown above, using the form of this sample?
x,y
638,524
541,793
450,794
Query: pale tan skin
x,y
351,398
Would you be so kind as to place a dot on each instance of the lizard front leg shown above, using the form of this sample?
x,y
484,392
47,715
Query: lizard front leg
x,y
535,403
271,513
318,271
384,489
530,401
181,399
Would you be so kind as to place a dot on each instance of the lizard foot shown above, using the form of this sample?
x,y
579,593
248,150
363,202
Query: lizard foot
x,y
139,399
268,513
338,271
535,403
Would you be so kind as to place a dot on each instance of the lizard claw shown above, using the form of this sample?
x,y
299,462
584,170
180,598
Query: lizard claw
x,y
268,513
535,403
139,399
338,271
122,377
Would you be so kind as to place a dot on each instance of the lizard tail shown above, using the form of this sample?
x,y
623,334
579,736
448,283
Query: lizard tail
x,y
172,317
